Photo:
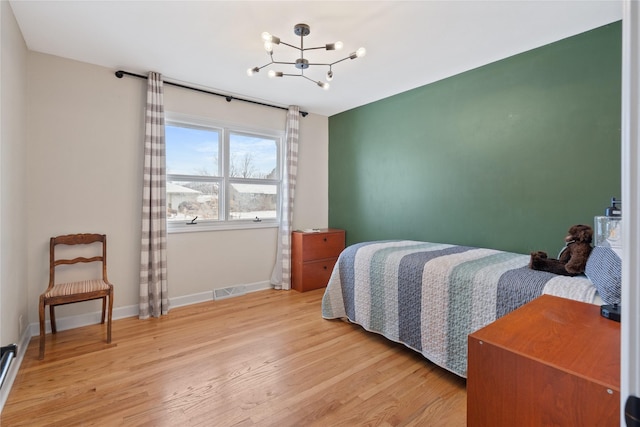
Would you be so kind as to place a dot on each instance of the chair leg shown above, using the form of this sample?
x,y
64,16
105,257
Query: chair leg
x,y
41,312
104,308
52,318
109,318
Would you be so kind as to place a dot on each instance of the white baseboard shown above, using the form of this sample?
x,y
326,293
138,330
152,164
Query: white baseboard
x,y
190,299
71,322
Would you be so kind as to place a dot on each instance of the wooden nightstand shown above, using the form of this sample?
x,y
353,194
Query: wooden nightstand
x,y
313,256
553,361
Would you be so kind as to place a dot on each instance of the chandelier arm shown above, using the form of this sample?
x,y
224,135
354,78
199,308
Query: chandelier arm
x,y
292,46
322,84
312,48
311,80
339,60
268,63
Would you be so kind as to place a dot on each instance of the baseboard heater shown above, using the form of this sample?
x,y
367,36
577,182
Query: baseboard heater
x,y
7,354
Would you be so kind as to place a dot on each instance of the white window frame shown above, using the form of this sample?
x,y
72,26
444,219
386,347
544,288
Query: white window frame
x,y
223,179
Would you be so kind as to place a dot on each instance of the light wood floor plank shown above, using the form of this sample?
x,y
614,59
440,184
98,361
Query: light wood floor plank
x,y
261,359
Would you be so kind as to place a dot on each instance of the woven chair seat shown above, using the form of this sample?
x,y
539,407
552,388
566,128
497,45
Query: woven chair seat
x,y
82,287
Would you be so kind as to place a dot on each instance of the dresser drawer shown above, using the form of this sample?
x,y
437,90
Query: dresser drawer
x,y
322,245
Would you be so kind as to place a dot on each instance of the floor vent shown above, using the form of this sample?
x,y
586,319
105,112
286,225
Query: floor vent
x,y
225,293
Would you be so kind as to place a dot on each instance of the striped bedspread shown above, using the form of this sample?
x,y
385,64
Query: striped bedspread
x,y
430,296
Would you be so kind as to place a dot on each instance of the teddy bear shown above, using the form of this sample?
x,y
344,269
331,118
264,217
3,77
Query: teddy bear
x,y
572,260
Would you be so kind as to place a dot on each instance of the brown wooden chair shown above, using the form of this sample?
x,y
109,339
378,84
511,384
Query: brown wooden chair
x,y
85,290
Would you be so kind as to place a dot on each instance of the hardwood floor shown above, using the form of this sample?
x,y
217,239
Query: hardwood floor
x,y
265,358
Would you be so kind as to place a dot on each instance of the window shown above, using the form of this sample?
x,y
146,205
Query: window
x,y
221,176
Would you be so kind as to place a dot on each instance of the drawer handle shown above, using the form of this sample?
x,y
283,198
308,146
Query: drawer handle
x,y
325,239
324,266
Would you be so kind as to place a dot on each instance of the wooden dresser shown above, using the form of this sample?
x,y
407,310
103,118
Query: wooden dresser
x,y
553,361
313,256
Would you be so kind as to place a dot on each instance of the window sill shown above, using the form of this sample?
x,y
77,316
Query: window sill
x,y
205,227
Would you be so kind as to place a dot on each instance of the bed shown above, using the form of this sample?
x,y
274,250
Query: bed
x,y
430,296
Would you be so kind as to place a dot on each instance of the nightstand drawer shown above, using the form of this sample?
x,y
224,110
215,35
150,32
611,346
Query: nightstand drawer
x,y
316,273
322,245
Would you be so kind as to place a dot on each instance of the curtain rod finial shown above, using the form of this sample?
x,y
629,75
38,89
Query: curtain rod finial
x,y
119,74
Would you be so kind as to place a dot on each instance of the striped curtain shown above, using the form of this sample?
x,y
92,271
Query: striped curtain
x,y
153,255
281,275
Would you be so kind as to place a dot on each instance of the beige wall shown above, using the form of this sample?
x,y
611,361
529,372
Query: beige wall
x,y
13,188
84,159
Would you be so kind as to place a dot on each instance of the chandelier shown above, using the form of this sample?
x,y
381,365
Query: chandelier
x,y
302,63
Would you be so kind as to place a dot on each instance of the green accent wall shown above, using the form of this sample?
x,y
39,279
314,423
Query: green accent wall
x,y
505,156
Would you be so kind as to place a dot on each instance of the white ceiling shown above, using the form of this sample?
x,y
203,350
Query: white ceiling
x,y
211,44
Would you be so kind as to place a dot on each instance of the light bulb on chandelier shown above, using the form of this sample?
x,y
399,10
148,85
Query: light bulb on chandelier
x,y
302,63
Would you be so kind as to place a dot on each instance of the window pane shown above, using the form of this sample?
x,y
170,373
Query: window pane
x,y
186,200
248,201
192,150
252,156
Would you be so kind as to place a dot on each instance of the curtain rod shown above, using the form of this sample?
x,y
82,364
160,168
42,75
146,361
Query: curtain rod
x,y
120,73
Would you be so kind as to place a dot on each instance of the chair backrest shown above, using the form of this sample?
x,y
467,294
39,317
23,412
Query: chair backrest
x,y
76,239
